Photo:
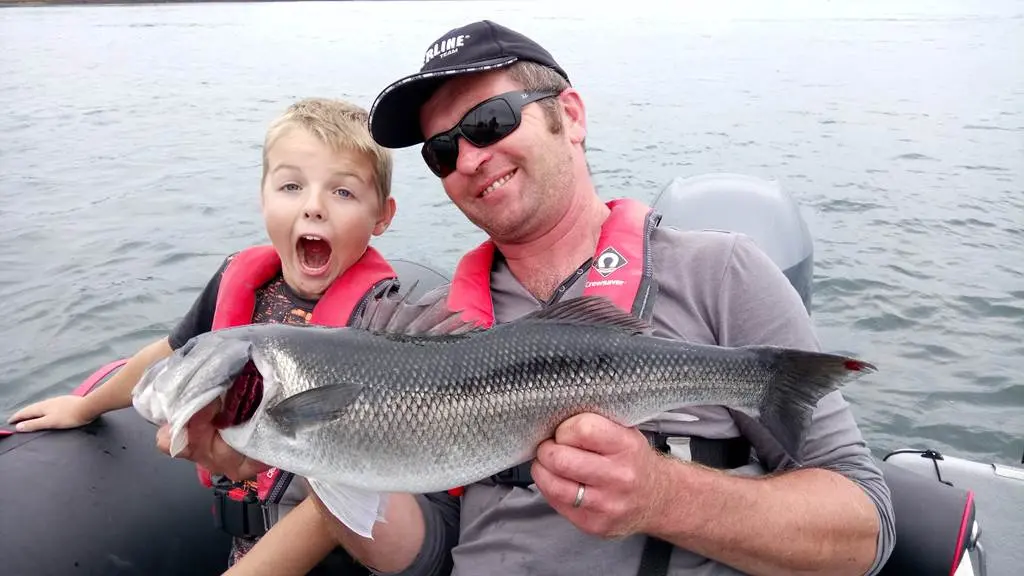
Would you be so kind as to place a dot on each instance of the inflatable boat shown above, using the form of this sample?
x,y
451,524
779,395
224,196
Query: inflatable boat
x,y
101,500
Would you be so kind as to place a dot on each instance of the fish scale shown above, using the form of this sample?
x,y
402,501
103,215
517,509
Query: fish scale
x,y
405,406
484,406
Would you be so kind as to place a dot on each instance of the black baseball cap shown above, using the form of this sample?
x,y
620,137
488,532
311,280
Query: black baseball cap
x,y
477,47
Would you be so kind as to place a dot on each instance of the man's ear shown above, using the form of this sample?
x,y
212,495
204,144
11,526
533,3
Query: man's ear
x,y
575,113
387,213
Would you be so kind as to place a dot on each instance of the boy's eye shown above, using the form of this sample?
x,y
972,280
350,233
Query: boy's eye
x,y
343,192
291,187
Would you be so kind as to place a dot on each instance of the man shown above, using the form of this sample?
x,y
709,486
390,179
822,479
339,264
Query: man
x,y
505,132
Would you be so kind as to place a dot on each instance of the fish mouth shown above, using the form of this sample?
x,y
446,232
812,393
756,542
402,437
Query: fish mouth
x,y
242,398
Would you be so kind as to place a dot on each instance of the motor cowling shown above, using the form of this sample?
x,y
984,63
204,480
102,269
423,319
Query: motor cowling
x,y
758,208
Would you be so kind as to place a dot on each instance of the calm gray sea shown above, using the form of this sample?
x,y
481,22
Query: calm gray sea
x,y
130,163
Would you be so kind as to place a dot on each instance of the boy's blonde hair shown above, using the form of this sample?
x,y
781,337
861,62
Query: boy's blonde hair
x,y
340,125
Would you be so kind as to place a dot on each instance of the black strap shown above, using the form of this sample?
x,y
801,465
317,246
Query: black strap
x,y
656,556
657,552
721,454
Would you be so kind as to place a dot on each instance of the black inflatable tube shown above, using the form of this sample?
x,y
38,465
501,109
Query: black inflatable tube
x,y
933,523
101,500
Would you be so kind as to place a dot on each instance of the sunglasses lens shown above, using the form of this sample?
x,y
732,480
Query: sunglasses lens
x,y
488,123
441,154
482,126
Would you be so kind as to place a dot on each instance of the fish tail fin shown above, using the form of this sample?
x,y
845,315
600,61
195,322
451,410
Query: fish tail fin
x,y
359,510
800,378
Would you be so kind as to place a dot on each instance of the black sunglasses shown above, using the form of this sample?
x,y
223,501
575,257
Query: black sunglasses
x,y
485,124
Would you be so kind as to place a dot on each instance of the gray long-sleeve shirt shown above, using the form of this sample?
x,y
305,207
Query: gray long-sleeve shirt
x,y
714,288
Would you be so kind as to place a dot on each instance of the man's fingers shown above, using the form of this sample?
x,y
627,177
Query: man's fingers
x,y
199,431
207,413
163,443
594,433
163,440
206,447
560,492
233,464
249,469
577,465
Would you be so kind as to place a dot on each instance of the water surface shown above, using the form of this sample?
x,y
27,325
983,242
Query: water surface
x,y
130,163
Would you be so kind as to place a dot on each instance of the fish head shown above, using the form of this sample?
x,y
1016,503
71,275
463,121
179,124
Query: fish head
x,y
288,363
175,388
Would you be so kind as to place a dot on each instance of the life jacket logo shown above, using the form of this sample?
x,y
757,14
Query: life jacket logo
x,y
608,261
445,47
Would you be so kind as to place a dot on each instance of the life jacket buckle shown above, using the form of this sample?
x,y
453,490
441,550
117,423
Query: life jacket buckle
x,y
238,512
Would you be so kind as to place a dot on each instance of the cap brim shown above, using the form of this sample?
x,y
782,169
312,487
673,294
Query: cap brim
x,y
395,114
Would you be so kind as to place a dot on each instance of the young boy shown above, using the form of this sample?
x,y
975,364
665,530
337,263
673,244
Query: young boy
x,y
325,191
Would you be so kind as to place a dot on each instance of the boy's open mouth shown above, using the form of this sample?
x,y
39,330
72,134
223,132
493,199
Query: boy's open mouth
x,y
314,254
242,399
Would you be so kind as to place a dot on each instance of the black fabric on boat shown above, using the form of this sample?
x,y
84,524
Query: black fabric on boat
x,y
101,499
933,523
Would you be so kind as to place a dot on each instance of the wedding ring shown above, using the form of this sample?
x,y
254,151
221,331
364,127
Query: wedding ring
x,y
579,496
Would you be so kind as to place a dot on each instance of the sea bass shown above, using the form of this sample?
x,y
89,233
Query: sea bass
x,y
416,400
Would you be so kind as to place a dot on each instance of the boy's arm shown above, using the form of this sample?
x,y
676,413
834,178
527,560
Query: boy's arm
x,y
293,546
70,411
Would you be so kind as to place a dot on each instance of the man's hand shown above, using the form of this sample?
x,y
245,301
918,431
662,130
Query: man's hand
x,y
208,449
618,468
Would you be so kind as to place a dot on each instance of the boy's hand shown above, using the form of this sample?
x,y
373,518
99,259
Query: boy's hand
x,y
58,412
208,449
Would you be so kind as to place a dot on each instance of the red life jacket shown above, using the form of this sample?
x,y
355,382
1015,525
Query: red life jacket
x,y
253,267
621,269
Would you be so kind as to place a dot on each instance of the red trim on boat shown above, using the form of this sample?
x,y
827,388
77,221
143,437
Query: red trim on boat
x,y
958,554
87,385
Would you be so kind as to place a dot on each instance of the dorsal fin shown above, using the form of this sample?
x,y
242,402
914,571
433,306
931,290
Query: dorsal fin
x,y
596,311
403,317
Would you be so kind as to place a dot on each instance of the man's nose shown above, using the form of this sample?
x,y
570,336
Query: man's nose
x,y
470,157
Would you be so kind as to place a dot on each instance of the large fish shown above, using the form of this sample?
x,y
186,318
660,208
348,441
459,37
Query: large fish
x,y
416,400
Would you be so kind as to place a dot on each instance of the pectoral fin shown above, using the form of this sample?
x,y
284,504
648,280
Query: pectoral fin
x,y
356,508
314,406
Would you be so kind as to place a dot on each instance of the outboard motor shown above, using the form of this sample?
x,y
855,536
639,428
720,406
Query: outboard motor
x,y
752,206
